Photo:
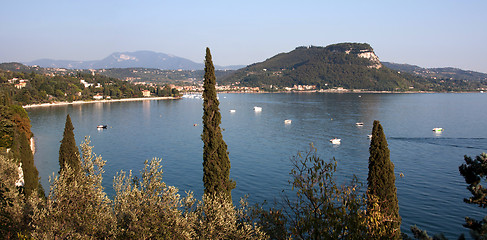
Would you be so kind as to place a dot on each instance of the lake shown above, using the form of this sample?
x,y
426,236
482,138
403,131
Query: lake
x,y
260,145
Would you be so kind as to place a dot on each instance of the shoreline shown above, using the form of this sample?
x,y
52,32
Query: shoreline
x,y
344,91
98,101
348,91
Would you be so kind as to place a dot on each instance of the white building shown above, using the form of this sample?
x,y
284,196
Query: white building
x,y
98,97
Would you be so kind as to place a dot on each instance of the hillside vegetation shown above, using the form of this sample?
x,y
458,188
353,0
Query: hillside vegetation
x,y
27,85
347,65
447,73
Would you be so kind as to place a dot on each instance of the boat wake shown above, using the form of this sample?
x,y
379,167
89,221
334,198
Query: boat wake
x,y
470,143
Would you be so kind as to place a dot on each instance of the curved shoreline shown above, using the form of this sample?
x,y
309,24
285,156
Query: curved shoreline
x,y
97,101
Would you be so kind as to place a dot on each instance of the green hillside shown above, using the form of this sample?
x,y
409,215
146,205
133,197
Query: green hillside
x,y
347,65
446,73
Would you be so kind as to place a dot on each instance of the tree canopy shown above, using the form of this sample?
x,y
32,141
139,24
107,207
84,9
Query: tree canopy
x,y
216,164
68,151
381,180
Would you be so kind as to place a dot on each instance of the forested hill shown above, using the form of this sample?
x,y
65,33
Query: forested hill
x,y
25,85
447,73
347,65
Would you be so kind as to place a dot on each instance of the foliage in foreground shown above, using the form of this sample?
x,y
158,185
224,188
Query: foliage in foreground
x,y
381,180
68,151
475,173
15,136
321,209
149,209
78,208
216,164
13,209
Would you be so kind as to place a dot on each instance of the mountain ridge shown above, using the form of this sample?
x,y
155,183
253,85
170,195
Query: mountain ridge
x,y
438,73
346,65
137,59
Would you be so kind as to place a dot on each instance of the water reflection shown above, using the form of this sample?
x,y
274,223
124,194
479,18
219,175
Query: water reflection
x,y
260,144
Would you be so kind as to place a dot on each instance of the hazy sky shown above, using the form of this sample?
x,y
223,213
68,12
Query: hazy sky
x,y
433,33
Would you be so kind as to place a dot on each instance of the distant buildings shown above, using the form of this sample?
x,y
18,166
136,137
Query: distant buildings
x,y
86,84
146,93
18,83
301,88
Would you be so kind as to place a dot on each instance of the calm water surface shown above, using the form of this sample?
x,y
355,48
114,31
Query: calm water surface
x,y
260,144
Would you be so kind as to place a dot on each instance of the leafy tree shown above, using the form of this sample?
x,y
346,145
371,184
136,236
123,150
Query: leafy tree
x,y
321,209
216,164
77,207
15,134
68,151
148,208
474,172
215,217
11,200
381,181
31,175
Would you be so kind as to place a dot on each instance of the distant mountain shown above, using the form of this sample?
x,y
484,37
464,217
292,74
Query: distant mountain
x,y
138,59
438,73
347,65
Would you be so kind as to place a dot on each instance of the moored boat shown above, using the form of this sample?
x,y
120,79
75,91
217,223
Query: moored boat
x,y
335,141
437,129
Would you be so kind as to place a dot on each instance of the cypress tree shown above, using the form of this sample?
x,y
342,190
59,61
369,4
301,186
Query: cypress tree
x,y
474,171
381,181
31,175
68,151
216,164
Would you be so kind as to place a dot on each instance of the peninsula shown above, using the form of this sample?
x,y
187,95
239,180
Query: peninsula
x,y
97,101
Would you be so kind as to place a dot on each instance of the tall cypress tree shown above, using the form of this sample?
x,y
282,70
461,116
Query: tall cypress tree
x,y
381,181
68,151
31,175
216,164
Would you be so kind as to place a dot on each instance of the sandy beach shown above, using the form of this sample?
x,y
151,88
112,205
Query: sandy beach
x,y
98,101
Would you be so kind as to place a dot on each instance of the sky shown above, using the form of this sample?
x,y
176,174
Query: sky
x,y
433,33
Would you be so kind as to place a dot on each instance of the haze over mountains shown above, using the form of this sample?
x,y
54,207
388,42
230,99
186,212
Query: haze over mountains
x,y
443,73
308,68
138,59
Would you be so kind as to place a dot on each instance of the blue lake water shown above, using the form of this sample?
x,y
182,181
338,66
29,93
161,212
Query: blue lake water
x,y
260,144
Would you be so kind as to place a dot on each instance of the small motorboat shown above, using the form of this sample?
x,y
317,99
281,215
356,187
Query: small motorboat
x,y
258,109
359,124
288,121
335,141
369,136
233,110
437,129
102,126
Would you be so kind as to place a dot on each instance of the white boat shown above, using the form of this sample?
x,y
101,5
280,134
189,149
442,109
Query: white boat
x,y
192,96
335,141
258,109
436,129
233,110
288,121
101,126
359,124
369,136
